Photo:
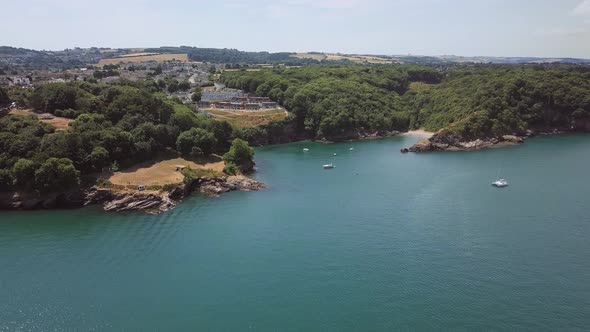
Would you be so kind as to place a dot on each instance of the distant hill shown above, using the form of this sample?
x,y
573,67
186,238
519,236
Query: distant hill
x,y
68,58
502,60
227,55
439,59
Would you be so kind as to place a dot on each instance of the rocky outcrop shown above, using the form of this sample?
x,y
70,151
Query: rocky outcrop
x,y
445,141
128,200
150,203
215,186
163,201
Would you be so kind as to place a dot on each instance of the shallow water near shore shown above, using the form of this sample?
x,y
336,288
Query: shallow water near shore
x,y
385,241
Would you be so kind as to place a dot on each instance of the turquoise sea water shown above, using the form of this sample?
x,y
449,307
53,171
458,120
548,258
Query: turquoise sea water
x,y
383,242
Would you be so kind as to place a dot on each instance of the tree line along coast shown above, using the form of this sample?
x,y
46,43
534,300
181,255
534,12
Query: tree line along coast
x,y
122,123
468,106
113,127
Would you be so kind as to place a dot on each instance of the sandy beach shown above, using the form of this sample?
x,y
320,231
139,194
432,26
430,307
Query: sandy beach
x,y
419,132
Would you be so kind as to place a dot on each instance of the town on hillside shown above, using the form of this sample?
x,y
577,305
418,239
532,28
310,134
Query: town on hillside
x,y
192,83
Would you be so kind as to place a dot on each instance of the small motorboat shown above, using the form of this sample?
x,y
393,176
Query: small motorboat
x,y
305,149
351,149
335,154
500,183
329,166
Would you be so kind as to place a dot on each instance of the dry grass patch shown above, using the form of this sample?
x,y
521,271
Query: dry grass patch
x,y
247,119
358,58
136,54
314,56
57,122
144,58
340,57
163,172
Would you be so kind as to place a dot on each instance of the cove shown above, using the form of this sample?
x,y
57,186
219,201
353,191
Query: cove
x,y
385,241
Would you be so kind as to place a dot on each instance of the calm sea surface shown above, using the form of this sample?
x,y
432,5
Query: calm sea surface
x,y
382,242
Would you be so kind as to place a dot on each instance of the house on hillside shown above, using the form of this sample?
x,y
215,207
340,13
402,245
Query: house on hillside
x,y
269,105
219,86
19,81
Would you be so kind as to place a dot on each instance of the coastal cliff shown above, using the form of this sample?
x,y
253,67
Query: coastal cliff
x,y
153,202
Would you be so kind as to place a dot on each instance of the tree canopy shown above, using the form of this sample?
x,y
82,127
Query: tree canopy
x,y
241,155
114,125
3,97
473,100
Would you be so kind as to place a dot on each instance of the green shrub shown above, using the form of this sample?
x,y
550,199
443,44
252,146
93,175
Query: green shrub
x,y
106,183
230,169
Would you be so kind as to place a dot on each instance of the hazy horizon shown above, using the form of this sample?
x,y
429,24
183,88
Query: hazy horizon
x,y
492,28
308,51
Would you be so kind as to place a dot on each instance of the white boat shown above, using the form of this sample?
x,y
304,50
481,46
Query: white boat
x,y
335,154
305,149
351,149
330,165
500,183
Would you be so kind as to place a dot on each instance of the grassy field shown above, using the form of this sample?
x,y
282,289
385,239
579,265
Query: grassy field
x,y
57,122
136,54
315,56
339,57
163,171
246,119
144,58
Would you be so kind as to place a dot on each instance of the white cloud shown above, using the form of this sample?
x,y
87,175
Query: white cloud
x,y
582,9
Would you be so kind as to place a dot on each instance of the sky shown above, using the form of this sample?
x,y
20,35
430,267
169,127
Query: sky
x,y
543,28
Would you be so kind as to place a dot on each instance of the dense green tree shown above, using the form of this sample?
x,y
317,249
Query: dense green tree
x,y
223,133
99,158
6,180
173,86
196,96
184,85
186,120
56,174
50,97
23,172
241,155
4,99
196,141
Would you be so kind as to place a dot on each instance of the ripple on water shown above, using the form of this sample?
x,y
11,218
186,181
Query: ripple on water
x,y
384,241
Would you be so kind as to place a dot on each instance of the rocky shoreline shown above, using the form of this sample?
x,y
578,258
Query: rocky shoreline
x,y
356,136
151,202
436,143
446,141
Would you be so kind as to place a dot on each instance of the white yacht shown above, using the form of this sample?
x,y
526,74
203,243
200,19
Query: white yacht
x,y
500,183
305,149
329,166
